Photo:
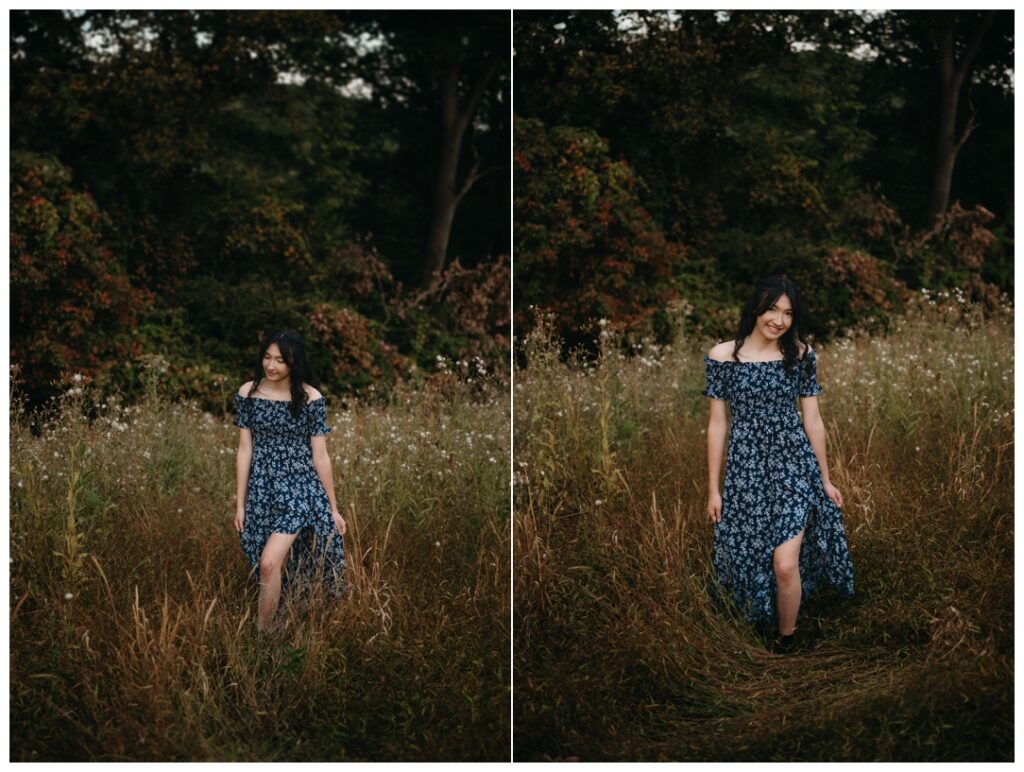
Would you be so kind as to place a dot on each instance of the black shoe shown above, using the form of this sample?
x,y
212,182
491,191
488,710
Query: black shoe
x,y
784,644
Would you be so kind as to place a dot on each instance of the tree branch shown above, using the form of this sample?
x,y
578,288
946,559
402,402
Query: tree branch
x,y
972,47
971,123
474,178
477,92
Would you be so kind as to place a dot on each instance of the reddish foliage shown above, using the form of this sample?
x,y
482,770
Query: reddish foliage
x,y
967,234
352,346
73,307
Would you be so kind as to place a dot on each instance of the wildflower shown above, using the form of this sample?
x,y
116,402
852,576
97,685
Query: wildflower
x,y
437,544
68,596
77,377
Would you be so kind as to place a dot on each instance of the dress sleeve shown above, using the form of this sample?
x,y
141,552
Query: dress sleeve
x,y
318,418
242,412
808,385
717,379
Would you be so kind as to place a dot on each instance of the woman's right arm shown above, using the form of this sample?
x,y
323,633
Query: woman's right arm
x,y
242,465
718,427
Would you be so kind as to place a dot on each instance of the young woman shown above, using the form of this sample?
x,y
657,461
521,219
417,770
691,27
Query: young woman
x,y
287,514
778,526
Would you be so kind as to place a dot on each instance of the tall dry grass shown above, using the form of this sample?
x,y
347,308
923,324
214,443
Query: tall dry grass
x,y
133,621
618,651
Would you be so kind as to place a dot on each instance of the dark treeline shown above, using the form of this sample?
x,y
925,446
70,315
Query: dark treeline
x,y
664,160
183,182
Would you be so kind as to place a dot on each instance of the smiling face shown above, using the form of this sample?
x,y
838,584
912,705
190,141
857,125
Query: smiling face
x,y
774,322
274,366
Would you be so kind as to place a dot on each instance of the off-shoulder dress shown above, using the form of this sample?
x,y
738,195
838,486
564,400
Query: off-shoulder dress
x,y
773,488
285,493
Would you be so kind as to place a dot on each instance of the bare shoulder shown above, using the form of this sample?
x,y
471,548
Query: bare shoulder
x,y
312,393
723,351
244,388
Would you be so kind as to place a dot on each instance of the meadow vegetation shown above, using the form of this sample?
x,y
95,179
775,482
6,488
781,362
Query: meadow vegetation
x,y
618,651
132,628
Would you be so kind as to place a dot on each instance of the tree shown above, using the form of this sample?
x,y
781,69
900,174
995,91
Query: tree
x,y
746,144
955,49
246,181
450,68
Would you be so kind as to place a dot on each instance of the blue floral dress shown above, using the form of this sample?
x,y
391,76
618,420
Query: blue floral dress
x,y
285,494
773,488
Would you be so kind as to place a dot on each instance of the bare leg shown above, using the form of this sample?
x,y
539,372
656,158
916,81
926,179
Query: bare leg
x,y
787,578
272,562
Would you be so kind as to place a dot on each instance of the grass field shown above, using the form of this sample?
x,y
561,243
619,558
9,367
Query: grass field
x,y
132,632
619,653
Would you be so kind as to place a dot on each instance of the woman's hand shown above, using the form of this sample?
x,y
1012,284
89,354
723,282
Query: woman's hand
x,y
339,522
239,520
833,493
715,507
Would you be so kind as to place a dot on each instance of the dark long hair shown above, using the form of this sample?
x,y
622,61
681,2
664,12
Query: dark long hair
x,y
293,350
761,299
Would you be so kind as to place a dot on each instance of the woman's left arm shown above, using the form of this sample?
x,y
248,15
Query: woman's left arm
x,y
322,464
815,429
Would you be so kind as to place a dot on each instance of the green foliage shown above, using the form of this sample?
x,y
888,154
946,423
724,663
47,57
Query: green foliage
x,y
585,247
768,143
245,189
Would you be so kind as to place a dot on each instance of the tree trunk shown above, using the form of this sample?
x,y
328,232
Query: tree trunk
x,y
445,203
945,141
445,196
447,191
952,77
